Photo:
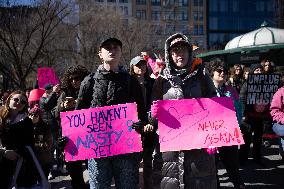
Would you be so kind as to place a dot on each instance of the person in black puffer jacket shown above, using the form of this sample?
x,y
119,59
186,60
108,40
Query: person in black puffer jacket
x,y
112,85
184,78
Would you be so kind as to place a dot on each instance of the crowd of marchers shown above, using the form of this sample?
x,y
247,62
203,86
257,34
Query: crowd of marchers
x,y
32,118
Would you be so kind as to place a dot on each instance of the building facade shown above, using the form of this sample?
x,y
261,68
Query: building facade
x,y
171,16
230,18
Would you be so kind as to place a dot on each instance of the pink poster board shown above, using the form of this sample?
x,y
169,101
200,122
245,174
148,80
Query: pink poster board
x,y
100,132
197,123
45,76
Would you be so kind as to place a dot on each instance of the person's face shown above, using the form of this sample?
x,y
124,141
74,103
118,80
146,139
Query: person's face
x,y
75,81
180,55
219,75
238,71
258,71
17,102
246,75
110,53
267,66
34,118
140,68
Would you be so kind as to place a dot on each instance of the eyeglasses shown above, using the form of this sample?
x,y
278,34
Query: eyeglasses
x,y
21,101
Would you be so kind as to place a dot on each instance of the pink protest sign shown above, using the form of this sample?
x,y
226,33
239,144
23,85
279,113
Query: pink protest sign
x,y
197,123
100,132
45,76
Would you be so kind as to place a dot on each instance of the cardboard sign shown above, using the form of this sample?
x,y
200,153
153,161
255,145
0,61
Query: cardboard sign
x,y
45,76
197,123
261,88
100,132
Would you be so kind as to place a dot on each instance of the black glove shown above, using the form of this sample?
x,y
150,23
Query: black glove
x,y
245,128
62,142
138,127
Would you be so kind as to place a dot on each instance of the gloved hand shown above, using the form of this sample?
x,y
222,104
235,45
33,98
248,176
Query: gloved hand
x,y
62,142
245,128
212,150
154,109
138,127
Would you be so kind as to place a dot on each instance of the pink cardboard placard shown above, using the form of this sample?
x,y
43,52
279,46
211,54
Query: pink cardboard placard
x,y
197,123
100,132
45,76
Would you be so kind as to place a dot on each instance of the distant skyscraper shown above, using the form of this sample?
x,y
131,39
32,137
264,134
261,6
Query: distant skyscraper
x,y
230,18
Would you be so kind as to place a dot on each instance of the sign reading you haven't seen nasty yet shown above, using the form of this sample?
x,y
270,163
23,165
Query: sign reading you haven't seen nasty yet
x,y
100,132
261,88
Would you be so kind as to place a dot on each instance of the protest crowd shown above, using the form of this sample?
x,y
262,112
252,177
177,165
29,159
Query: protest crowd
x,y
34,118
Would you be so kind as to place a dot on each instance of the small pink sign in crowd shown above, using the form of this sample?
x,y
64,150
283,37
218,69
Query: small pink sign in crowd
x,y
45,76
197,123
100,132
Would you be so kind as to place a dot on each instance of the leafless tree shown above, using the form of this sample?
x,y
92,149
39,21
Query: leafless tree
x,y
25,34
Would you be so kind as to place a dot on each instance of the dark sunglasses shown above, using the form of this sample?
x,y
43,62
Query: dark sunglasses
x,y
221,70
21,101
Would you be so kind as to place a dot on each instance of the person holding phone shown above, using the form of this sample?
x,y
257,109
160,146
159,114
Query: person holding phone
x,y
71,82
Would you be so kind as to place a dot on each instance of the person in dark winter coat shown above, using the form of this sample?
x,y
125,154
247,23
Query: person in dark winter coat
x,y
16,132
138,69
184,78
71,82
229,155
42,139
112,85
254,115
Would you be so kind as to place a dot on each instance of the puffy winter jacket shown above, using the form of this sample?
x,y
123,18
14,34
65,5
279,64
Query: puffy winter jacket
x,y
194,168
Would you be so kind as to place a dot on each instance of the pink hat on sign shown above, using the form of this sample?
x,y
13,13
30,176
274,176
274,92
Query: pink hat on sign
x,y
35,94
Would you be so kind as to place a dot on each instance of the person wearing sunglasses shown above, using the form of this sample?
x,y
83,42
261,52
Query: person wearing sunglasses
x,y
16,132
229,155
70,86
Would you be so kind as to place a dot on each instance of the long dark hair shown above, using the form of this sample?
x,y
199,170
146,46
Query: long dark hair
x,y
78,70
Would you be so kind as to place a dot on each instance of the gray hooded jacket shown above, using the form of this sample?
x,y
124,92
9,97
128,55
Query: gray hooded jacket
x,y
194,168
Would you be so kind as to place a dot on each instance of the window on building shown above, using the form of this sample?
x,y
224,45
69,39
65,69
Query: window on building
x,y
195,15
195,29
184,29
169,15
198,3
224,5
99,0
141,14
270,6
156,15
182,15
156,2
183,3
125,10
200,30
111,1
170,29
213,6
123,1
169,2
213,23
141,2
260,6
235,6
